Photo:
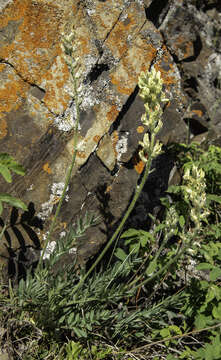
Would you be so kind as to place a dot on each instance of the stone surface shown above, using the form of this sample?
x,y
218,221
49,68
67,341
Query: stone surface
x,y
115,40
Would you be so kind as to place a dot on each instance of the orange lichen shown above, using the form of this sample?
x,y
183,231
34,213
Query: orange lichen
x,y
115,138
2,66
140,129
11,95
139,167
36,106
36,46
81,154
96,139
168,76
37,32
46,168
112,113
167,79
147,52
108,189
85,48
137,59
181,43
3,128
119,85
128,25
199,113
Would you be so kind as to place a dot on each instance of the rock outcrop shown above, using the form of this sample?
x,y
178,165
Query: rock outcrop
x,y
114,40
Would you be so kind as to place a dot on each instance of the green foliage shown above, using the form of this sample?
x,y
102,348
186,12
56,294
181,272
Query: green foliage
x,y
75,351
159,297
7,165
210,351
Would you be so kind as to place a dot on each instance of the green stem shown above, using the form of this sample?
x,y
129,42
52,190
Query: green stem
x,y
177,337
137,193
68,176
165,267
166,239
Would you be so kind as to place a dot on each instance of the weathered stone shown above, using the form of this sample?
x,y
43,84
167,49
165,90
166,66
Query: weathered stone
x,y
192,37
114,41
106,152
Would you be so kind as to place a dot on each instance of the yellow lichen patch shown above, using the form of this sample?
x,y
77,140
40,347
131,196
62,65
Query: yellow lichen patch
x,y
3,128
140,56
138,164
46,168
140,129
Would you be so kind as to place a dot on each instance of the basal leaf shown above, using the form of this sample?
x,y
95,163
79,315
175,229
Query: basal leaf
x,y
181,221
200,321
4,157
6,173
204,266
215,198
130,233
174,189
13,201
18,169
215,274
217,312
120,254
151,268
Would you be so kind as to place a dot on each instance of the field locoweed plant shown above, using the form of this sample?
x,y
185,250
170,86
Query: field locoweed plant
x,y
73,65
151,91
143,304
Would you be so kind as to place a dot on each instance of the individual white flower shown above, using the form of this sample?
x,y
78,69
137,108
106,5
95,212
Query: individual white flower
x,y
143,155
146,142
157,150
158,126
49,250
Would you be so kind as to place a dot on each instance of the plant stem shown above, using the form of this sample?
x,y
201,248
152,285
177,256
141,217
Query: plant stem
x,y
165,267
177,337
127,214
68,176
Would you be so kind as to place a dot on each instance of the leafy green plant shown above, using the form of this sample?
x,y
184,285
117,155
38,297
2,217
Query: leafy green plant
x,y
75,351
160,291
74,68
7,165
